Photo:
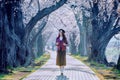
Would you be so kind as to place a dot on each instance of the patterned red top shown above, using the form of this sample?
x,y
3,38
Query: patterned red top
x,y
60,45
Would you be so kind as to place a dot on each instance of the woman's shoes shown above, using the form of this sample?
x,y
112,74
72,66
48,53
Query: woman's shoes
x,y
62,74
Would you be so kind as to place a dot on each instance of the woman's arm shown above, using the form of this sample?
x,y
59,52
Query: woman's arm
x,y
65,43
57,42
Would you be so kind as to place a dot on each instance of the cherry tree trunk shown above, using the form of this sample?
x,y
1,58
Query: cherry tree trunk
x,y
118,63
40,44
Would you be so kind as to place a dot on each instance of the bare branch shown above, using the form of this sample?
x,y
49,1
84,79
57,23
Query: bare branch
x,y
44,12
117,38
116,30
38,5
42,26
87,9
116,22
31,1
63,22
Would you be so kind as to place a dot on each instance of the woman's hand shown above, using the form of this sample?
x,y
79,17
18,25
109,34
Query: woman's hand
x,y
64,44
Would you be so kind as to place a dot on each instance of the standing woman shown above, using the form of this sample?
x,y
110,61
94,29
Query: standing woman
x,y
61,43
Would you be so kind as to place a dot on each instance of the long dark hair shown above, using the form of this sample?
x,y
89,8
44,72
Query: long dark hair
x,y
63,35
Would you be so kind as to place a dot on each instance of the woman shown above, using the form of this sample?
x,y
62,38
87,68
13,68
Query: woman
x,y
61,43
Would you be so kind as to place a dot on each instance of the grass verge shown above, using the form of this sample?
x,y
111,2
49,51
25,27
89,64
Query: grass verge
x,y
21,72
101,70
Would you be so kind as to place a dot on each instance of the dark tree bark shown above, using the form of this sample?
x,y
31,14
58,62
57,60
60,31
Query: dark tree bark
x,y
83,35
3,54
42,26
73,47
40,44
83,49
102,32
37,40
11,20
40,15
118,63
15,49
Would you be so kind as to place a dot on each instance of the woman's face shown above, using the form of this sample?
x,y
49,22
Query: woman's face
x,y
60,33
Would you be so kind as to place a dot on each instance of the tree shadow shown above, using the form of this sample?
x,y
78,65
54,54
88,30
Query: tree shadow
x,y
85,70
62,77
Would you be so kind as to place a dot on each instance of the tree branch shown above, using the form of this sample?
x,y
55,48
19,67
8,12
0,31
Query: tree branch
x,y
116,38
41,14
31,1
43,24
38,5
62,22
116,22
86,9
106,37
116,30
114,14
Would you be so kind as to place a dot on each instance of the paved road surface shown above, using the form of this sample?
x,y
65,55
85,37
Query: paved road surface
x,y
75,70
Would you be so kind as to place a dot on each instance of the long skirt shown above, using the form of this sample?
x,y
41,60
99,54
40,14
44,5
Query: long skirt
x,y
61,58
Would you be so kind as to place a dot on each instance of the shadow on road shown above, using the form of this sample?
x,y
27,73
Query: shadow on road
x,y
62,77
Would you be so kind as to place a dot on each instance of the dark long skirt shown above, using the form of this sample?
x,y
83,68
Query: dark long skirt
x,y
61,58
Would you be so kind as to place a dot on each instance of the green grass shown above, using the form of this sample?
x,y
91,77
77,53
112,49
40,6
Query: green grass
x,y
1,76
20,72
101,70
